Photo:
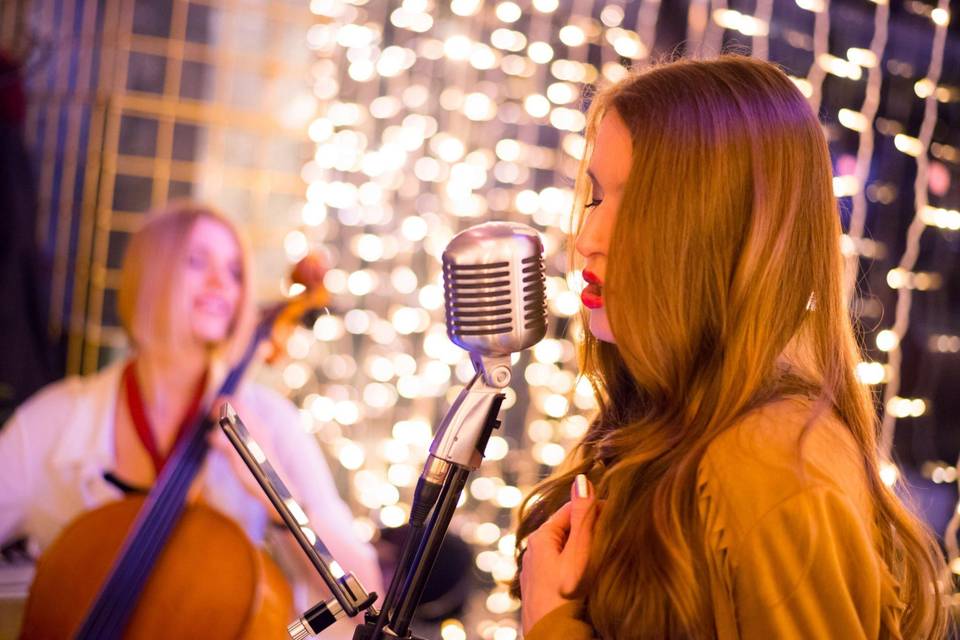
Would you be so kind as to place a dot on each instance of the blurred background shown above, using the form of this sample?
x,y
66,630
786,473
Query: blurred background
x,y
371,131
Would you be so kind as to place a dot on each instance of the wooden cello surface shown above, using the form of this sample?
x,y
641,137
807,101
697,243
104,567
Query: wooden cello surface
x,y
209,582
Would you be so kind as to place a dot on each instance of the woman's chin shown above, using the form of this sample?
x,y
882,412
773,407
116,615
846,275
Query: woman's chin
x,y
600,326
209,336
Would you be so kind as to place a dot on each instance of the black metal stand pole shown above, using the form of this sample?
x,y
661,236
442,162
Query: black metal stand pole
x,y
429,547
426,535
410,546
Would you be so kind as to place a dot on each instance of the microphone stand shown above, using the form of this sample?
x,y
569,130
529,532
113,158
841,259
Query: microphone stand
x,y
496,304
457,449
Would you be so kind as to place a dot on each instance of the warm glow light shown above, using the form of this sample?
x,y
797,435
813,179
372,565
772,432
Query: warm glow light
x,y
839,67
572,35
483,57
612,15
546,6
955,566
508,40
508,12
940,17
871,372
897,278
862,57
295,375
393,516
811,5
452,630
803,85
500,602
906,407
853,119
744,23
942,218
465,8
887,340
844,186
889,474
540,52
626,43
924,87
562,93
487,533
478,106
351,455
458,47
497,448
536,105
509,497
551,454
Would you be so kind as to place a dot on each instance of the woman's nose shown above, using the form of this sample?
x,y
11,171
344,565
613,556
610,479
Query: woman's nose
x,y
592,238
216,276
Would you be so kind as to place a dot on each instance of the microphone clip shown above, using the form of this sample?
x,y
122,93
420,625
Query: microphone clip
x,y
462,436
496,370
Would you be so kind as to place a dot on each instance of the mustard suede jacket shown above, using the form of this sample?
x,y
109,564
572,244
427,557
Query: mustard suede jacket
x,y
791,541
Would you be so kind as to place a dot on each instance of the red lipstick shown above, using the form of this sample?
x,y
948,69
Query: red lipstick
x,y
592,294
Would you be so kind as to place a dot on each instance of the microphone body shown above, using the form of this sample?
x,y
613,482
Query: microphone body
x,y
494,293
494,288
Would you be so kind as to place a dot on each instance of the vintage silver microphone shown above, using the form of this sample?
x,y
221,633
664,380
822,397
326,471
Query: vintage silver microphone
x,y
495,303
494,290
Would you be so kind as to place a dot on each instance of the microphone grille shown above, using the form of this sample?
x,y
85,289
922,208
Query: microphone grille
x,y
477,298
494,288
534,294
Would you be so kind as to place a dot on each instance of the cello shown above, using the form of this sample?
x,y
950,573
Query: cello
x,y
157,567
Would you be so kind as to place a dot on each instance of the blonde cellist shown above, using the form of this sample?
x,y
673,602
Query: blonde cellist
x,y
185,301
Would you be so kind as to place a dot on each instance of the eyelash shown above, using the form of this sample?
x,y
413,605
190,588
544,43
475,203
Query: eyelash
x,y
593,203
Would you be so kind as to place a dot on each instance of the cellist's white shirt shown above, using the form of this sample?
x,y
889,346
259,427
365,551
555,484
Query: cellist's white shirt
x,y
56,447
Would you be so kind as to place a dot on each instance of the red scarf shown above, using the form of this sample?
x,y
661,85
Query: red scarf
x,y
142,424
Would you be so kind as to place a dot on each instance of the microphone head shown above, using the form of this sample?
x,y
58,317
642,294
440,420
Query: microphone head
x,y
494,288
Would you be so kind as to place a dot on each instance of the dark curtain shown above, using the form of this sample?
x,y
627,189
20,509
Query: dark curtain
x,y
27,355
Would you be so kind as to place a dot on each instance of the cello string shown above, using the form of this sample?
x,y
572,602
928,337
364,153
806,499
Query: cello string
x,y
164,504
121,587
121,590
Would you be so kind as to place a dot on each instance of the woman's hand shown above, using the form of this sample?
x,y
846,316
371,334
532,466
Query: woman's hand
x,y
556,555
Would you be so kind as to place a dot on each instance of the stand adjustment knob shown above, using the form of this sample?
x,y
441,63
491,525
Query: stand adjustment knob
x,y
298,631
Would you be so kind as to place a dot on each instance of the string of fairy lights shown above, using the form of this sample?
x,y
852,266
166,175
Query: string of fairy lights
x,y
761,39
438,114
903,278
862,121
822,59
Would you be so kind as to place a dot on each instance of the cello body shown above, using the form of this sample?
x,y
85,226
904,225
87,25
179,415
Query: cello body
x,y
209,581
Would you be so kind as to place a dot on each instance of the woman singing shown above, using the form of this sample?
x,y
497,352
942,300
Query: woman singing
x,y
734,457
185,301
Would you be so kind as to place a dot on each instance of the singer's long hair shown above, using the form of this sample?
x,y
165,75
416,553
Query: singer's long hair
x,y
723,291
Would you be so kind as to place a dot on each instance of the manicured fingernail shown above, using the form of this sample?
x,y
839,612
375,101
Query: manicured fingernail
x,y
581,487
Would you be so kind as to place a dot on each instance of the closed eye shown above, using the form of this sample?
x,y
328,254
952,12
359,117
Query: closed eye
x,y
593,203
